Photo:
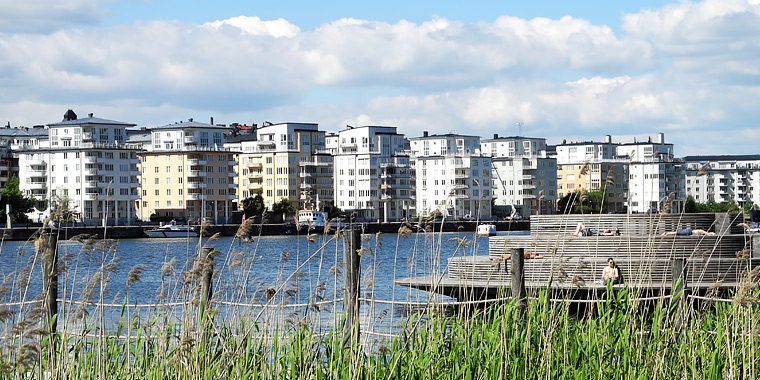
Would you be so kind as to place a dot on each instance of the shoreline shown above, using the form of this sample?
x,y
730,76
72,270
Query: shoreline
x,y
138,232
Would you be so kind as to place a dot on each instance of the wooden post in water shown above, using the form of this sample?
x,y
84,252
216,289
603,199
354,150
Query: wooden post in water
x,y
518,276
351,276
678,273
50,279
207,273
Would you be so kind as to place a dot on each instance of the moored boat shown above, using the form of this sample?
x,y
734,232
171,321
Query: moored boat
x,y
486,230
172,230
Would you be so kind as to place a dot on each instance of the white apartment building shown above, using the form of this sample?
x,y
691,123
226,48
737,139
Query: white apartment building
x,y
186,173
373,178
723,179
86,162
655,177
452,176
590,165
523,177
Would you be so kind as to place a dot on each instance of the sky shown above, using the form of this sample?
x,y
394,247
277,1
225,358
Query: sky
x,y
561,70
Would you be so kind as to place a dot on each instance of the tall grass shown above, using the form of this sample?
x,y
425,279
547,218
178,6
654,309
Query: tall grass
x,y
616,337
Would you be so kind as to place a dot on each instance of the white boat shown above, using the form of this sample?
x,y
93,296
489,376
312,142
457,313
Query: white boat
x,y
486,230
172,230
312,221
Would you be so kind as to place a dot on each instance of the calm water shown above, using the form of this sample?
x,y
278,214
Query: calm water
x,y
300,270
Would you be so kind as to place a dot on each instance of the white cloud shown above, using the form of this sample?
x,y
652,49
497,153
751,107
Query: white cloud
x,y
682,69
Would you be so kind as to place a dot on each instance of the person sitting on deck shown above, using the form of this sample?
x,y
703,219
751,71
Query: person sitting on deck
x,y
611,272
688,232
507,256
581,230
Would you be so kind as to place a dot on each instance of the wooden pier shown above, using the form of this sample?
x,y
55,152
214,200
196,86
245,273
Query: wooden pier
x,y
572,265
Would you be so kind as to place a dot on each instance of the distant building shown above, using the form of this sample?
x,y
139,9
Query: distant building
x,y
11,141
372,173
723,178
592,165
656,177
452,176
186,173
524,178
86,163
285,160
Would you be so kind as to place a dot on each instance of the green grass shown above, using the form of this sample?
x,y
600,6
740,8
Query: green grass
x,y
618,338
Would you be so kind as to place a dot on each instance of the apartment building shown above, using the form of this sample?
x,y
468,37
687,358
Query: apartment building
x,y
655,177
286,160
186,173
723,178
12,140
451,176
524,177
592,165
85,162
373,179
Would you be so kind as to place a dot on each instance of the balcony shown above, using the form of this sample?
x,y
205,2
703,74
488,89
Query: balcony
x,y
92,196
196,161
255,175
196,173
196,185
255,165
232,197
313,163
232,163
190,140
306,186
255,186
528,177
38,168
37,185
232,174
232,185
88,136
194,196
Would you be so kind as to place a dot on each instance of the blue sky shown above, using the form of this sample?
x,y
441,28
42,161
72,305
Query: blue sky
x,y
689,69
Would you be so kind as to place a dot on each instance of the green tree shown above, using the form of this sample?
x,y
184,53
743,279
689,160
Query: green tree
x,y
283,208
253,206
690,206
20,204
583,202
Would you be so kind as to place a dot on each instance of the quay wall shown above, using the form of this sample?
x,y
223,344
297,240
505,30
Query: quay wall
x,y
131,232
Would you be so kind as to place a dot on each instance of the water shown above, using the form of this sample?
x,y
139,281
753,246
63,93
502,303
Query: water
x,y
298,270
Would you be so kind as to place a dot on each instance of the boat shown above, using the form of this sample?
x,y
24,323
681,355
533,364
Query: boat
x,y
308,221
486,230
172,230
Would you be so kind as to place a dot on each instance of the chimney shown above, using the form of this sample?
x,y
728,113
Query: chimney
x,y
212,120
190,119
90,115
424,133
608,139
495,136
661,138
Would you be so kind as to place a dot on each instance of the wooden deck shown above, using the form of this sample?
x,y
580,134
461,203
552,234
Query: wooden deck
x,y
574,264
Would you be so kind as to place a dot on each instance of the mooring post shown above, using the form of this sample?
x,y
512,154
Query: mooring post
x,y
518,276
50,278
678,274
351,273
207,273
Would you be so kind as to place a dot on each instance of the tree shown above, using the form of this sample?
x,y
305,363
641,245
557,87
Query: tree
x,y
253,206
583,202
20,204
283,208
690,206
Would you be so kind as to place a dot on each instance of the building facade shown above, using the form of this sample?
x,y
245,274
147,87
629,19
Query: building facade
x,y
286,160
656,178
723,178
524,178
88,165
373,179
592,166
452,177
187,174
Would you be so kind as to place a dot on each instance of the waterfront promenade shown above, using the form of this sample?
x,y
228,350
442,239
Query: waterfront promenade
x,y
134,232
